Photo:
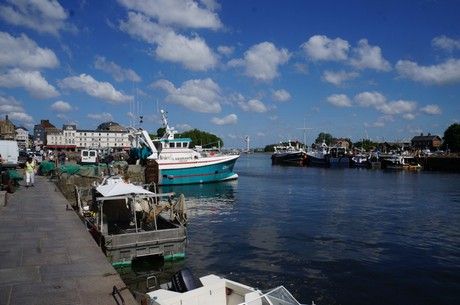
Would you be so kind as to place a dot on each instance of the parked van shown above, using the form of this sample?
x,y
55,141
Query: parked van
x,y
88,157
10,154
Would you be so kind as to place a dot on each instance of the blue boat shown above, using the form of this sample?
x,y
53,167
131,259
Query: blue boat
x,y
172,161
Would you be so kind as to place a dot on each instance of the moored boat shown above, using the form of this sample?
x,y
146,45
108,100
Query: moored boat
x,y
172,161
360,161
126,221
319,156
214,290
288,154
398,162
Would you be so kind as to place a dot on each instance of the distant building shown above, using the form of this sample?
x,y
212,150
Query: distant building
x,y
429,141
22,137
70,138
111,126
7,129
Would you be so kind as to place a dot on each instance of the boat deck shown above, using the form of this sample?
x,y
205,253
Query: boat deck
x,y
47,255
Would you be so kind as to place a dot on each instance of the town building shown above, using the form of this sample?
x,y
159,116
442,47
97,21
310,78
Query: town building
x,y
7,129
22,137
429,141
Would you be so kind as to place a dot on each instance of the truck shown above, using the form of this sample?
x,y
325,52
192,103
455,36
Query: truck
x,y
10,154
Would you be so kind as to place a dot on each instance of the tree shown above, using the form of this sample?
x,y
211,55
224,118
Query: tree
x,y
326,137
452,137
207,140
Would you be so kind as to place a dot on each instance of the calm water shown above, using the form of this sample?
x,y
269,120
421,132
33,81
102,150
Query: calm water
x,y
332,236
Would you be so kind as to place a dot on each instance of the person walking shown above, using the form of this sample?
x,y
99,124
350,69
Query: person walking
x,y
29,171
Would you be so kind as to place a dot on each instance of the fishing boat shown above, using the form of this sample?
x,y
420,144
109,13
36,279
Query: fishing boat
x,y
128,221
288,155
360,161
338,156
214,290
399,162
319,156
172,161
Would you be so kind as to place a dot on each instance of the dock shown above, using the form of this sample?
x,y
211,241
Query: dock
x,y
48,257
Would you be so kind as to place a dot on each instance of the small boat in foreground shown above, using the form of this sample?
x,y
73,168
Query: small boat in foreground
x,y
172,161
126,221
215,290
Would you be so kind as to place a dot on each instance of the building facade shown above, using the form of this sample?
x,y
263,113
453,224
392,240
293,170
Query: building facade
x,y
22,137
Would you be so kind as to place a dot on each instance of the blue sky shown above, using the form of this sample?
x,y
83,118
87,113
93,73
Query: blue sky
x,y
383,70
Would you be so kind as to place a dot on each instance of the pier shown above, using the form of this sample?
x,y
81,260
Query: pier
x,y
48,257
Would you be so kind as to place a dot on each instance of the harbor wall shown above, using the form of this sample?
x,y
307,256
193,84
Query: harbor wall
x,y
440,163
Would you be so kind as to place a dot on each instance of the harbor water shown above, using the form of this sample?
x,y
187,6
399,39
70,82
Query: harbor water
x,y
330,236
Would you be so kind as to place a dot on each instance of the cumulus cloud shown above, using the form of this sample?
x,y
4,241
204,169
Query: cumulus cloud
x,y
181,13
61,106
227,120
370,99
320,47
253,106
445,43
442,74
225,50
281,95
44,16
103,117
380,103
32,81
15,111
369,57
193,53
431,109
262,60
337,78
199,95
339,100
102,90
22,52
118,73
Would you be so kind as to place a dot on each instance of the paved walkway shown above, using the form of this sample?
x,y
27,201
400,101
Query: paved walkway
x,y
47,256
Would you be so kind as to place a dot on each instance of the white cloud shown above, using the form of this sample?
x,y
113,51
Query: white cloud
x,y
225,50
44,16
193,53
102,117
370,99
445,43
61,106
102,90
281,95
33,82
253,106
10,104
227,120
181,13
369,57
431,109
118,73
409,116
320,47
183,127
337,78
22,52
262,60
445,73
339,100
397,107
200,95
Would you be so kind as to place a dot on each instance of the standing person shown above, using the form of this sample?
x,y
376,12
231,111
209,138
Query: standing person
x,y
29,171
62,158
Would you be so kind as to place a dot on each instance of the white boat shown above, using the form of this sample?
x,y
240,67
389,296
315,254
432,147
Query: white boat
x,y
288,154
399,162
126,221
215,290
319,156
172,161
338,155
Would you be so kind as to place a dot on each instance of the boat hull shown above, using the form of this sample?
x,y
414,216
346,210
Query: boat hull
x,y
318,162
167,172
294,158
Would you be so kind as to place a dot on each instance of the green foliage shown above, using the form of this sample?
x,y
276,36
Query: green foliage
x,y
452,138
326,137
207,140
161,131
